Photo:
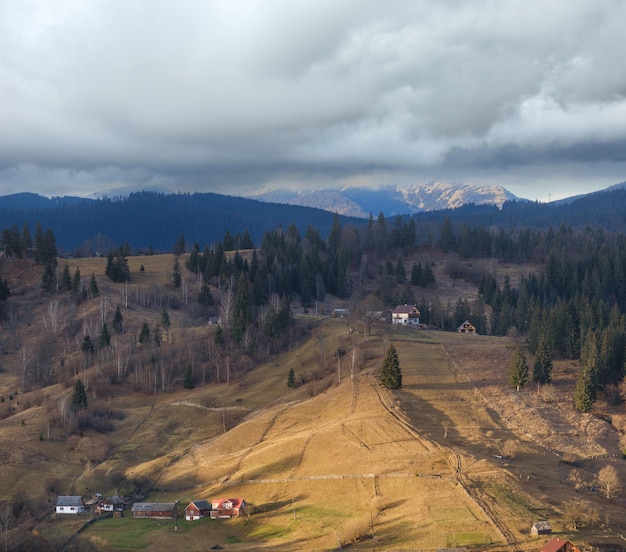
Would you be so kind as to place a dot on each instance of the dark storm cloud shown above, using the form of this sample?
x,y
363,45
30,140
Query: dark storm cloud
x,y
205,94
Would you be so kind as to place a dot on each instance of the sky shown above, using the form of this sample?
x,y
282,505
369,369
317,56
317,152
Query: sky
x,y
237,95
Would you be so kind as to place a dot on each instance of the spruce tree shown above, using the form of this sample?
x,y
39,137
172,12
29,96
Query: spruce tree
x,y
587,377
118,320
105,337
390,374
518,370
542,369
188,383
66,278
48,277
79,397
144,336
584,393
176,276
76,281
87,345
291,378
93,286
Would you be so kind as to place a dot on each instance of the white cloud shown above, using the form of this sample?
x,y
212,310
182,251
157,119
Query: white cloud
x,y
337,89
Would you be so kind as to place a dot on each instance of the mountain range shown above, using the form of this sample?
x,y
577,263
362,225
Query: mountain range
x,y
150,220
391,200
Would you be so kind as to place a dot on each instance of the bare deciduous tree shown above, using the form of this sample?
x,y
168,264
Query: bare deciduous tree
x,y
53,316
576,479
578,514
510,448
609,481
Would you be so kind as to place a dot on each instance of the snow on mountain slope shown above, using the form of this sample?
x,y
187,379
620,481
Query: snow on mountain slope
x,y
390,200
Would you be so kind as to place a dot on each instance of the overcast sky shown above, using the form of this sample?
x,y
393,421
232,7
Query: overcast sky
x,y
201,95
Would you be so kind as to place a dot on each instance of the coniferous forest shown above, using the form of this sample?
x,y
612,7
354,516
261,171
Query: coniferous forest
x,y
571,305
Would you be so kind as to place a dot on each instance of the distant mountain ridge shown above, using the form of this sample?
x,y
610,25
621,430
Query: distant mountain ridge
x,y
391,200
154,221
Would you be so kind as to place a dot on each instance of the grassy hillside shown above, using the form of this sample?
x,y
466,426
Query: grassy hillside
x,y
336,461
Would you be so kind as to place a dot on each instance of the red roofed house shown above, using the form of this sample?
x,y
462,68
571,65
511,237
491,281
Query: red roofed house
x,y
227,507
197,509
559,545
405,314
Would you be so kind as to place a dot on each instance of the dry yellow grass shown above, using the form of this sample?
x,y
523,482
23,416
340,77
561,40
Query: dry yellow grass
x,y
321,461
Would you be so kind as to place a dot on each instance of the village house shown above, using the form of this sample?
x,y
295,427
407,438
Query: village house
x,y
227,507
70,505
559,545
112,504
197,509
405,314
466,328
541,528
155,510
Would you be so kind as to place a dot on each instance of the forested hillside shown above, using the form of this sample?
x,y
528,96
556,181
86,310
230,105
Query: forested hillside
x,y
571,305
81,334
152,220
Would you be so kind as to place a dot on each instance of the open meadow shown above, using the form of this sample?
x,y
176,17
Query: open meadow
x,y
454,458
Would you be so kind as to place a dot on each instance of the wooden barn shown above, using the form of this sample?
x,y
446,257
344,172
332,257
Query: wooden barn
x,y
197,509
156,510
466,328
541,528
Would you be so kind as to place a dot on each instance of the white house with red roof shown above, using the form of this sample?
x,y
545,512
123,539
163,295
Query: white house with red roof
x,y
227,507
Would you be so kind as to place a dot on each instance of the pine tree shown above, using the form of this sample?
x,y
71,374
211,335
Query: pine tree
x,y
291,378
93,286
105,337
587,377
584,393
76,281
144,336
79,397
66,278
118,320
242,309
180,246
447,241
219,336
188,383
518,370
176,277
48,278
542,369
87,345
26,241
390,374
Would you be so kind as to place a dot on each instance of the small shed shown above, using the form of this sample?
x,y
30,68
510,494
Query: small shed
x,y
73,505
466,328
155,510
341,313
227,507
197,509
541,528
559,545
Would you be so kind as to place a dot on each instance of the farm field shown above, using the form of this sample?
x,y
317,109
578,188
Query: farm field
x,y
420,467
